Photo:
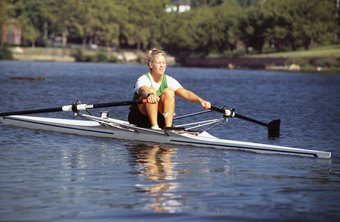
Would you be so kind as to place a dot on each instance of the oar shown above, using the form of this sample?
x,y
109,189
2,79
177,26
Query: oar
x,y
273,126
74,107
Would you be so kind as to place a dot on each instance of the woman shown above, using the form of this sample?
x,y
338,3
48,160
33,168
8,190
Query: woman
x,y
160,90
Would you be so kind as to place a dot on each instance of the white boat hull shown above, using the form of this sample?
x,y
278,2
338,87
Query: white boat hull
x,y
118,129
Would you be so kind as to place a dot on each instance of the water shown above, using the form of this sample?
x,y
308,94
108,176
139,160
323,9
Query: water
x,y
47,176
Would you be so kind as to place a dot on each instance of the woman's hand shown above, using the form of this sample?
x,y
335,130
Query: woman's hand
x,y
206,104
152,98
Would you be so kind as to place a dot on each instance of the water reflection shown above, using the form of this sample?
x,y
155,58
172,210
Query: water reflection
x,y
156,168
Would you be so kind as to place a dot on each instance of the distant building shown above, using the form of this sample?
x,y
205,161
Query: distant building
x,y
179,6
11,35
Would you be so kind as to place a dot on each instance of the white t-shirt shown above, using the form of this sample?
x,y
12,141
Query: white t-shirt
x,y
145,81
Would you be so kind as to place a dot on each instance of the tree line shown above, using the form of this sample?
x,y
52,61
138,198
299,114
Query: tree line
x,y
211,26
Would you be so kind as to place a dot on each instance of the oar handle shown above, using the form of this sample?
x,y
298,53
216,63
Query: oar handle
x,y
225,111
123,103
74,107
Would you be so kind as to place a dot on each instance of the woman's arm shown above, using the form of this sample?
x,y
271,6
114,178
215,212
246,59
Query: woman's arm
x,y
192,97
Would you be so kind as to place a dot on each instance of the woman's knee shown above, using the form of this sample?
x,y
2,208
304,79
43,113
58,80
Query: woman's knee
x,y
168,93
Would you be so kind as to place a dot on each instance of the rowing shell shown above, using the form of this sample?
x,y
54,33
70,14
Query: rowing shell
x,y
118,129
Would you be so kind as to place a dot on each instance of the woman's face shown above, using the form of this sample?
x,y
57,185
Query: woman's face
x,y
158,65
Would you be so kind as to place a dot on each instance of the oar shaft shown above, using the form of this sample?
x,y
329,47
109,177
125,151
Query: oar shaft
x,y
251,120
32,111
74,108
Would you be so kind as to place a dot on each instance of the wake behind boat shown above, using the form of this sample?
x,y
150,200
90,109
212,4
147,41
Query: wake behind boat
x,y
185,134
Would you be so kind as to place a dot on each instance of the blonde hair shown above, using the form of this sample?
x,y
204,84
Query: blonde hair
x,y
153,53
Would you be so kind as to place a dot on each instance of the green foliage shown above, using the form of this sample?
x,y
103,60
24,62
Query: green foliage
x,y
315,63
297,24
144,25
5,53
253,25
78,55
288,24
326,62
211,26
6,12
101,56
203,30
29,16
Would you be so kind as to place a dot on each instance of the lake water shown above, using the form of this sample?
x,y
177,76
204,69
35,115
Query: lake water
x,y
47,176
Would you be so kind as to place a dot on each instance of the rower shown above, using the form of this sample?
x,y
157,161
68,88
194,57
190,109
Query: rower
x,y
160,91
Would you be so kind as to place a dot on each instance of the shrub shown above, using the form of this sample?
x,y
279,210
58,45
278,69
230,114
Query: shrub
x,y
326,62
78,55
101,57
112,58
5,53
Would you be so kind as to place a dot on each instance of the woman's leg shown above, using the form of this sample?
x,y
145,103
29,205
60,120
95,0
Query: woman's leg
x,y
167,106
150,109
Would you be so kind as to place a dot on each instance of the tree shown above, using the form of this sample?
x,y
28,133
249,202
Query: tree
x,y
176,38
300,23
29,16
63,15
253,26
98,23
229,15
6,12
207,31
313,22
210,26
203,30
111,17
145,18
279,32
82,26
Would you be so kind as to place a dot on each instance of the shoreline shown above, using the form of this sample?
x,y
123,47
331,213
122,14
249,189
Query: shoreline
x,y
320,64
267,63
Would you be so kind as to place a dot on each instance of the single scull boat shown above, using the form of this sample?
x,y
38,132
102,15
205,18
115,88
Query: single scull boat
x,y
104,126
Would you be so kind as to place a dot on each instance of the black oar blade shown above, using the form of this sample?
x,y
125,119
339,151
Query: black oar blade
x,y
274,128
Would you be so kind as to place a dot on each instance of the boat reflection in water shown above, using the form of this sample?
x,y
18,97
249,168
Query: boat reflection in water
x,y
157,173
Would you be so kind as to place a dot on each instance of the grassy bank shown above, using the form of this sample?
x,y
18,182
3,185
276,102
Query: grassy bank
x,y
321,51
322,58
